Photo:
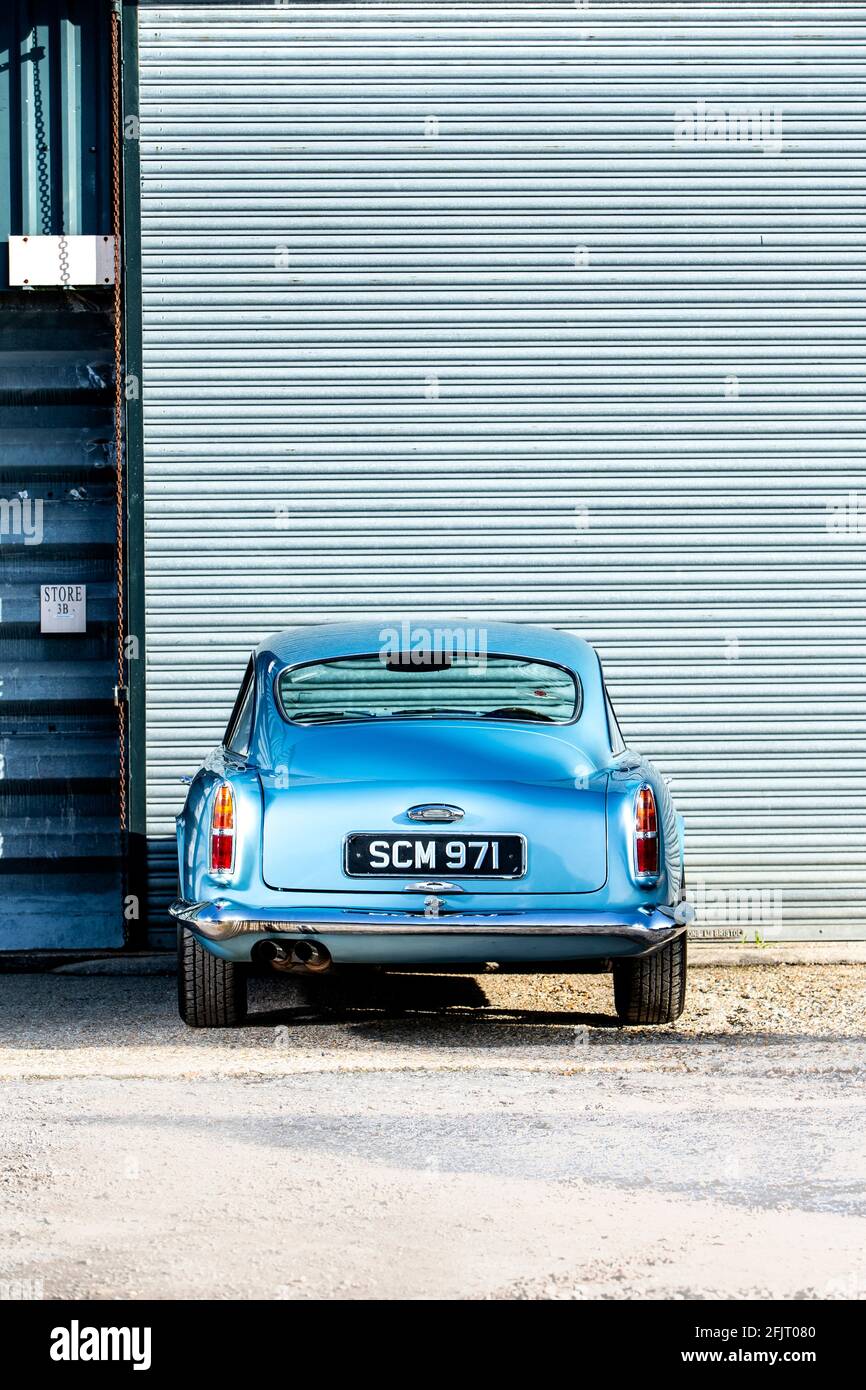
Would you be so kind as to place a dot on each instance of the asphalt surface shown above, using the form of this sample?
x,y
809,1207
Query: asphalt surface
x,y
435,1137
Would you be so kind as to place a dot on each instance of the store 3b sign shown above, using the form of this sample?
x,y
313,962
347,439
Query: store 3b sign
x,y
63,608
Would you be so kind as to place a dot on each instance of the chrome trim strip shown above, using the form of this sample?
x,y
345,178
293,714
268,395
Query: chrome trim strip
x,y
650,925
433,885
435,813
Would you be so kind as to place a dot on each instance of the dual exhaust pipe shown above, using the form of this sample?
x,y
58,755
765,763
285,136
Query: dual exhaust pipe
x,y
305,958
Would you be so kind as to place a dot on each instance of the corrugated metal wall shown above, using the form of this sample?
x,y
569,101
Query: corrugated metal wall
x,y
473,308
60,848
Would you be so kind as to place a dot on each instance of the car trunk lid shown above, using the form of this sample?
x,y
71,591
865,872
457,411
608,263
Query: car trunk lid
x,y
364,778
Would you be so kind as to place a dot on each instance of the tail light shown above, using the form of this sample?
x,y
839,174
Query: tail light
x,y
222,839
646,835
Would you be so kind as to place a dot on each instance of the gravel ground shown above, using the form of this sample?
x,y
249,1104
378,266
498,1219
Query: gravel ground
x,y
436,1137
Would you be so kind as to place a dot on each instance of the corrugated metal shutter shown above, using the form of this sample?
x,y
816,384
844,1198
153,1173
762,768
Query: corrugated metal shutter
x,y
61,852
60,846
442,316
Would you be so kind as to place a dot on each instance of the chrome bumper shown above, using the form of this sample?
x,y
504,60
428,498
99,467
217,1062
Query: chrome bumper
x,y
223,920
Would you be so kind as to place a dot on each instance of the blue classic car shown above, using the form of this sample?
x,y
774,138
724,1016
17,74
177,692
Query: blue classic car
x,y
428,798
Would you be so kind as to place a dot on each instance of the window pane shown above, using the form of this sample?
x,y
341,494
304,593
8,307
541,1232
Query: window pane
x,y
240,731
359,687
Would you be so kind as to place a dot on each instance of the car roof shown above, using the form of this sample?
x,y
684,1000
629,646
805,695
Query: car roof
x,y
325,641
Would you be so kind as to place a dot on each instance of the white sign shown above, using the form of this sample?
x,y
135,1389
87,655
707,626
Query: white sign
x,y
61,260
63,608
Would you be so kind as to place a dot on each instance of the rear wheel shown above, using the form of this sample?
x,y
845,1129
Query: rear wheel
x,y
211,993
652,989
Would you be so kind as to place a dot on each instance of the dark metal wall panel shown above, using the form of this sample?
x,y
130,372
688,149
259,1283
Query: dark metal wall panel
x,y
161,867
60,847
60,907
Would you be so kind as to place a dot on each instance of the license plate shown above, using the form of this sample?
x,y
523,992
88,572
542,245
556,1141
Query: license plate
x,y
435,856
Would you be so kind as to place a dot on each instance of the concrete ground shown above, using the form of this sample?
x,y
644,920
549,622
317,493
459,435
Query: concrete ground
x,y
435,1137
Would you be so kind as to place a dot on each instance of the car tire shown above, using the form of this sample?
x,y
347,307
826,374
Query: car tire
x,y
652,989
211,993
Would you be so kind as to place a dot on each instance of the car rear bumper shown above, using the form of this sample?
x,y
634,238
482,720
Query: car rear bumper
x,y
351,936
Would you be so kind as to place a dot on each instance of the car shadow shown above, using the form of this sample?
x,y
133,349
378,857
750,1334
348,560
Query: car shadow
x,y
496,1027
309,1014
425,1010
455,1004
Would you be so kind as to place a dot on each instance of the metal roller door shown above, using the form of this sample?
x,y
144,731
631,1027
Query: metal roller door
x,y
532,311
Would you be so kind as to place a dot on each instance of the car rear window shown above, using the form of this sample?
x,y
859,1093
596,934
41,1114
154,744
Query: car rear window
x,y
369,687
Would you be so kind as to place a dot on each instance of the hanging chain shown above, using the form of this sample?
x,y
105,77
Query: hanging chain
x,y
120,690
63,261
